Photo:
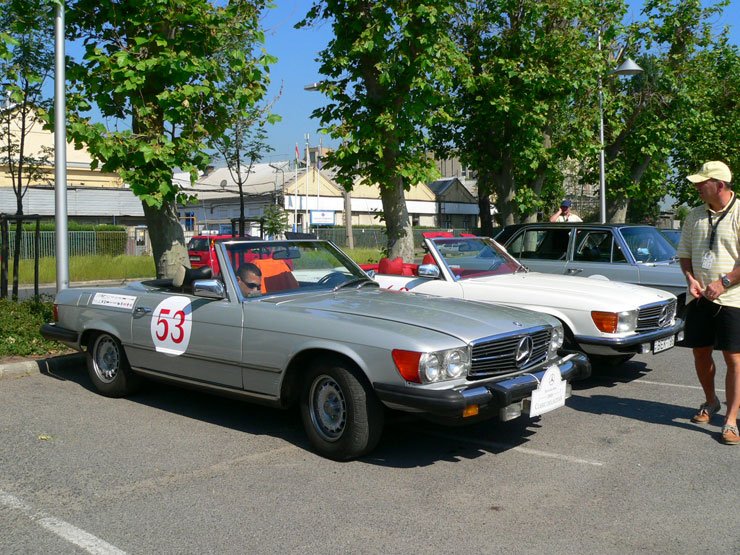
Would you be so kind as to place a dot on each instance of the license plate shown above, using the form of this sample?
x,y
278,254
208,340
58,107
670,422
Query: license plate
x,y
550,393
664,344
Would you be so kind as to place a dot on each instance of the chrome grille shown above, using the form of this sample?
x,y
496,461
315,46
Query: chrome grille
x,y
495,356
656,316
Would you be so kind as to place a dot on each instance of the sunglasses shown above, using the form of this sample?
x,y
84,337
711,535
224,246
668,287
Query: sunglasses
x,y
250,284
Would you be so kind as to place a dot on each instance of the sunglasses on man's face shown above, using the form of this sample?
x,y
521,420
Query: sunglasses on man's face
x,y
250,284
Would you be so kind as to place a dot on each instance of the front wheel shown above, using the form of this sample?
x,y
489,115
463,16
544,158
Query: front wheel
x,y
341,413
108,367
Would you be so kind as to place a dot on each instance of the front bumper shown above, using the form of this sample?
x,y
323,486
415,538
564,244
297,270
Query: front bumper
x,y
489,395
632,343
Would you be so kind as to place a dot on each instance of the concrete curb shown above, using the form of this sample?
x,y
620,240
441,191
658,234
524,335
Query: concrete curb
x,y
42,366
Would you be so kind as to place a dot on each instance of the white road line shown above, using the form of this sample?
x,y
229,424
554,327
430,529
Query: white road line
x,y
673,385
64,530
505,446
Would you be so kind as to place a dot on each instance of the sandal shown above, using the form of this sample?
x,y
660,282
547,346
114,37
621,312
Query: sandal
x,y
730,435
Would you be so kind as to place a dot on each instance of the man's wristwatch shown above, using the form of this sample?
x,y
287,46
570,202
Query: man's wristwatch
x,y
725,281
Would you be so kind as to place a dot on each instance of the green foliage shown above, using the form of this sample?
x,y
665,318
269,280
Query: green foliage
x,y
163,66
388,75
276,220
89,268
525,95
19,328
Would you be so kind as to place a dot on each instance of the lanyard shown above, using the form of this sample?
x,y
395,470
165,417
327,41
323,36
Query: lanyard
x,y
713,234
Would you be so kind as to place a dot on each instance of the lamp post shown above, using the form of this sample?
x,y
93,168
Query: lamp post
x,y
628,67
349,235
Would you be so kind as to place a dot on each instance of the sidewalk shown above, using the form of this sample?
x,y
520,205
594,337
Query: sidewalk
x,y
49,365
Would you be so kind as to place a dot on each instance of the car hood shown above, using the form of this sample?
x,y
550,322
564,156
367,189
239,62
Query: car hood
x,y
462,319
534,288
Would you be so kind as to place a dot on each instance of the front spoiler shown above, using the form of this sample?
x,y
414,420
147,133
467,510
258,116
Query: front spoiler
x,y
488,395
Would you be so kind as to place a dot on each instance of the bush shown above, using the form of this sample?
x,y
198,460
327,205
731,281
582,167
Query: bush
x,y
19,328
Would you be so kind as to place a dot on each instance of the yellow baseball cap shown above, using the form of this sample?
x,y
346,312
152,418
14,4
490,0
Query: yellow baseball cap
x,y
712,170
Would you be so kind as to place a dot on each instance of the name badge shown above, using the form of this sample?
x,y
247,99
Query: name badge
x,y
707,260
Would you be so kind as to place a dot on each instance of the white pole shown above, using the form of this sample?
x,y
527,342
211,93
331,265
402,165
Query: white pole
x,y
295,192
602,169
306,224
318,181
60,152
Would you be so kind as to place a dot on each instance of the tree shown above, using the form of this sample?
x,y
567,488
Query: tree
x,y
525,97
710,117
242,145
27,61
162,68
387,74
275,220
646,114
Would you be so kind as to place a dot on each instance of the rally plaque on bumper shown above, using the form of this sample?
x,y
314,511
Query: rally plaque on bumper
x,y
550,394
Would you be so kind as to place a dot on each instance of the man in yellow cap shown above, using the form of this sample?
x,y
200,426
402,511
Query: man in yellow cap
x,y
709,252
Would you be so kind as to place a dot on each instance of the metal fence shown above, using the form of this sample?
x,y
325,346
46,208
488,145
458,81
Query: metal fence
x,y
80,243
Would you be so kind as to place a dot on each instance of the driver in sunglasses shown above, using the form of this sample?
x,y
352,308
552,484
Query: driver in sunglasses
x,y
249,278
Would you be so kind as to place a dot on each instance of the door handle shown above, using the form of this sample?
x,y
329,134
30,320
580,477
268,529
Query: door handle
x,y
573,271
140,311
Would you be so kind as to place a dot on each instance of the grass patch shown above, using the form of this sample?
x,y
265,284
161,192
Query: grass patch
x,y
87,268
19,328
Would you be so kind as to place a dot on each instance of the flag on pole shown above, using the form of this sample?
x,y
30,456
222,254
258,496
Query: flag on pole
x,y
297,154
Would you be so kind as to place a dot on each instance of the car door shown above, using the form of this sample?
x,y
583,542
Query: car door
x,y
597,252
190,337
542,248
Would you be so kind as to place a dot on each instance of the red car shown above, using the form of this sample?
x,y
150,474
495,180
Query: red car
x,y
202,253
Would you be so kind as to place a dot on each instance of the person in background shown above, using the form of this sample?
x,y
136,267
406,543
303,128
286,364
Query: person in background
x,y
709,252
565,214
249,278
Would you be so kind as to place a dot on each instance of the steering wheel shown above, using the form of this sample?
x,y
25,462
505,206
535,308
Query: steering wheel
x,y
332,279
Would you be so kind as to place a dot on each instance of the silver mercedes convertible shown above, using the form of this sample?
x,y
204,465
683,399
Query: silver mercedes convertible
x,y
297,323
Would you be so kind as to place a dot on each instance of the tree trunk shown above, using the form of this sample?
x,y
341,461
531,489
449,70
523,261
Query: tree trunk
x,y
167,238
505,187
397,225
484,204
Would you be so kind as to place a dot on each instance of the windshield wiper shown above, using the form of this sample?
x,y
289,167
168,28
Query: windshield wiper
x,y
359,281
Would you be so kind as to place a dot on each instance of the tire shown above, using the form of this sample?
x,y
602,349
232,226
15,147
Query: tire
x,y
108,367
342,416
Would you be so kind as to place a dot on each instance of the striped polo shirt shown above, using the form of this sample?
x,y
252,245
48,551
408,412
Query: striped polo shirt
x,y
695,235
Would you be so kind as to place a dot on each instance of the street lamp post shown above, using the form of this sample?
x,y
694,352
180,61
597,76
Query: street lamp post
x,y
628,67
349,235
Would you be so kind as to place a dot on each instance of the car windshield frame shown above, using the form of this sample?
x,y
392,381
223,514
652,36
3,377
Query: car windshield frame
x,y
469,257
314,266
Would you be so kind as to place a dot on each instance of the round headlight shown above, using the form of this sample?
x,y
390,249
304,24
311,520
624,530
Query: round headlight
x,y
556,340
455,364
430,367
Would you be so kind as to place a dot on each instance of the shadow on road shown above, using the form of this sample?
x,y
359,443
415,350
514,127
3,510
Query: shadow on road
x,y
407,442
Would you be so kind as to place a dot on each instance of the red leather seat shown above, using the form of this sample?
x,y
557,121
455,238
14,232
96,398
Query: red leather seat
x,y
276,276
428,259
388,266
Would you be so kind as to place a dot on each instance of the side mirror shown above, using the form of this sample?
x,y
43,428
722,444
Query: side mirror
x,y
209,288
430,271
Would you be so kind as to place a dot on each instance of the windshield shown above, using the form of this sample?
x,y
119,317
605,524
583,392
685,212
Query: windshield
x,y
293,266
471,257
648,245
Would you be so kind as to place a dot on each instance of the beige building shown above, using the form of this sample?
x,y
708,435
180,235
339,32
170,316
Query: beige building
x,y
39,141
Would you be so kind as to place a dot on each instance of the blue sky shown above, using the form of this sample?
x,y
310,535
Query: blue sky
x,y
296,51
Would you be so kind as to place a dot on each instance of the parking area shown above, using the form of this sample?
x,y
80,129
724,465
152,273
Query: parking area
x,y
620,469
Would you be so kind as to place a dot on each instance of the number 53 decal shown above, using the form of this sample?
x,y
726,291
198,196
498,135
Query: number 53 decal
x,y
171,325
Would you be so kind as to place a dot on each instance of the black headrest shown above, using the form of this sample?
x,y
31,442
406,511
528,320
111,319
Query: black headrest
x,y
186,276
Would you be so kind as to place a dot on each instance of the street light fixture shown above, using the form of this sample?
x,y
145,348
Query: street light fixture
x,y
626,68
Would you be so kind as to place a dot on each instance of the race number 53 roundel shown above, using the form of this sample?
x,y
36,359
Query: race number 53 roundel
x,y
172,322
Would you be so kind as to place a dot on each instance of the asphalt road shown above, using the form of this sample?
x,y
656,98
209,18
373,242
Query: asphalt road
x,y
620,469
